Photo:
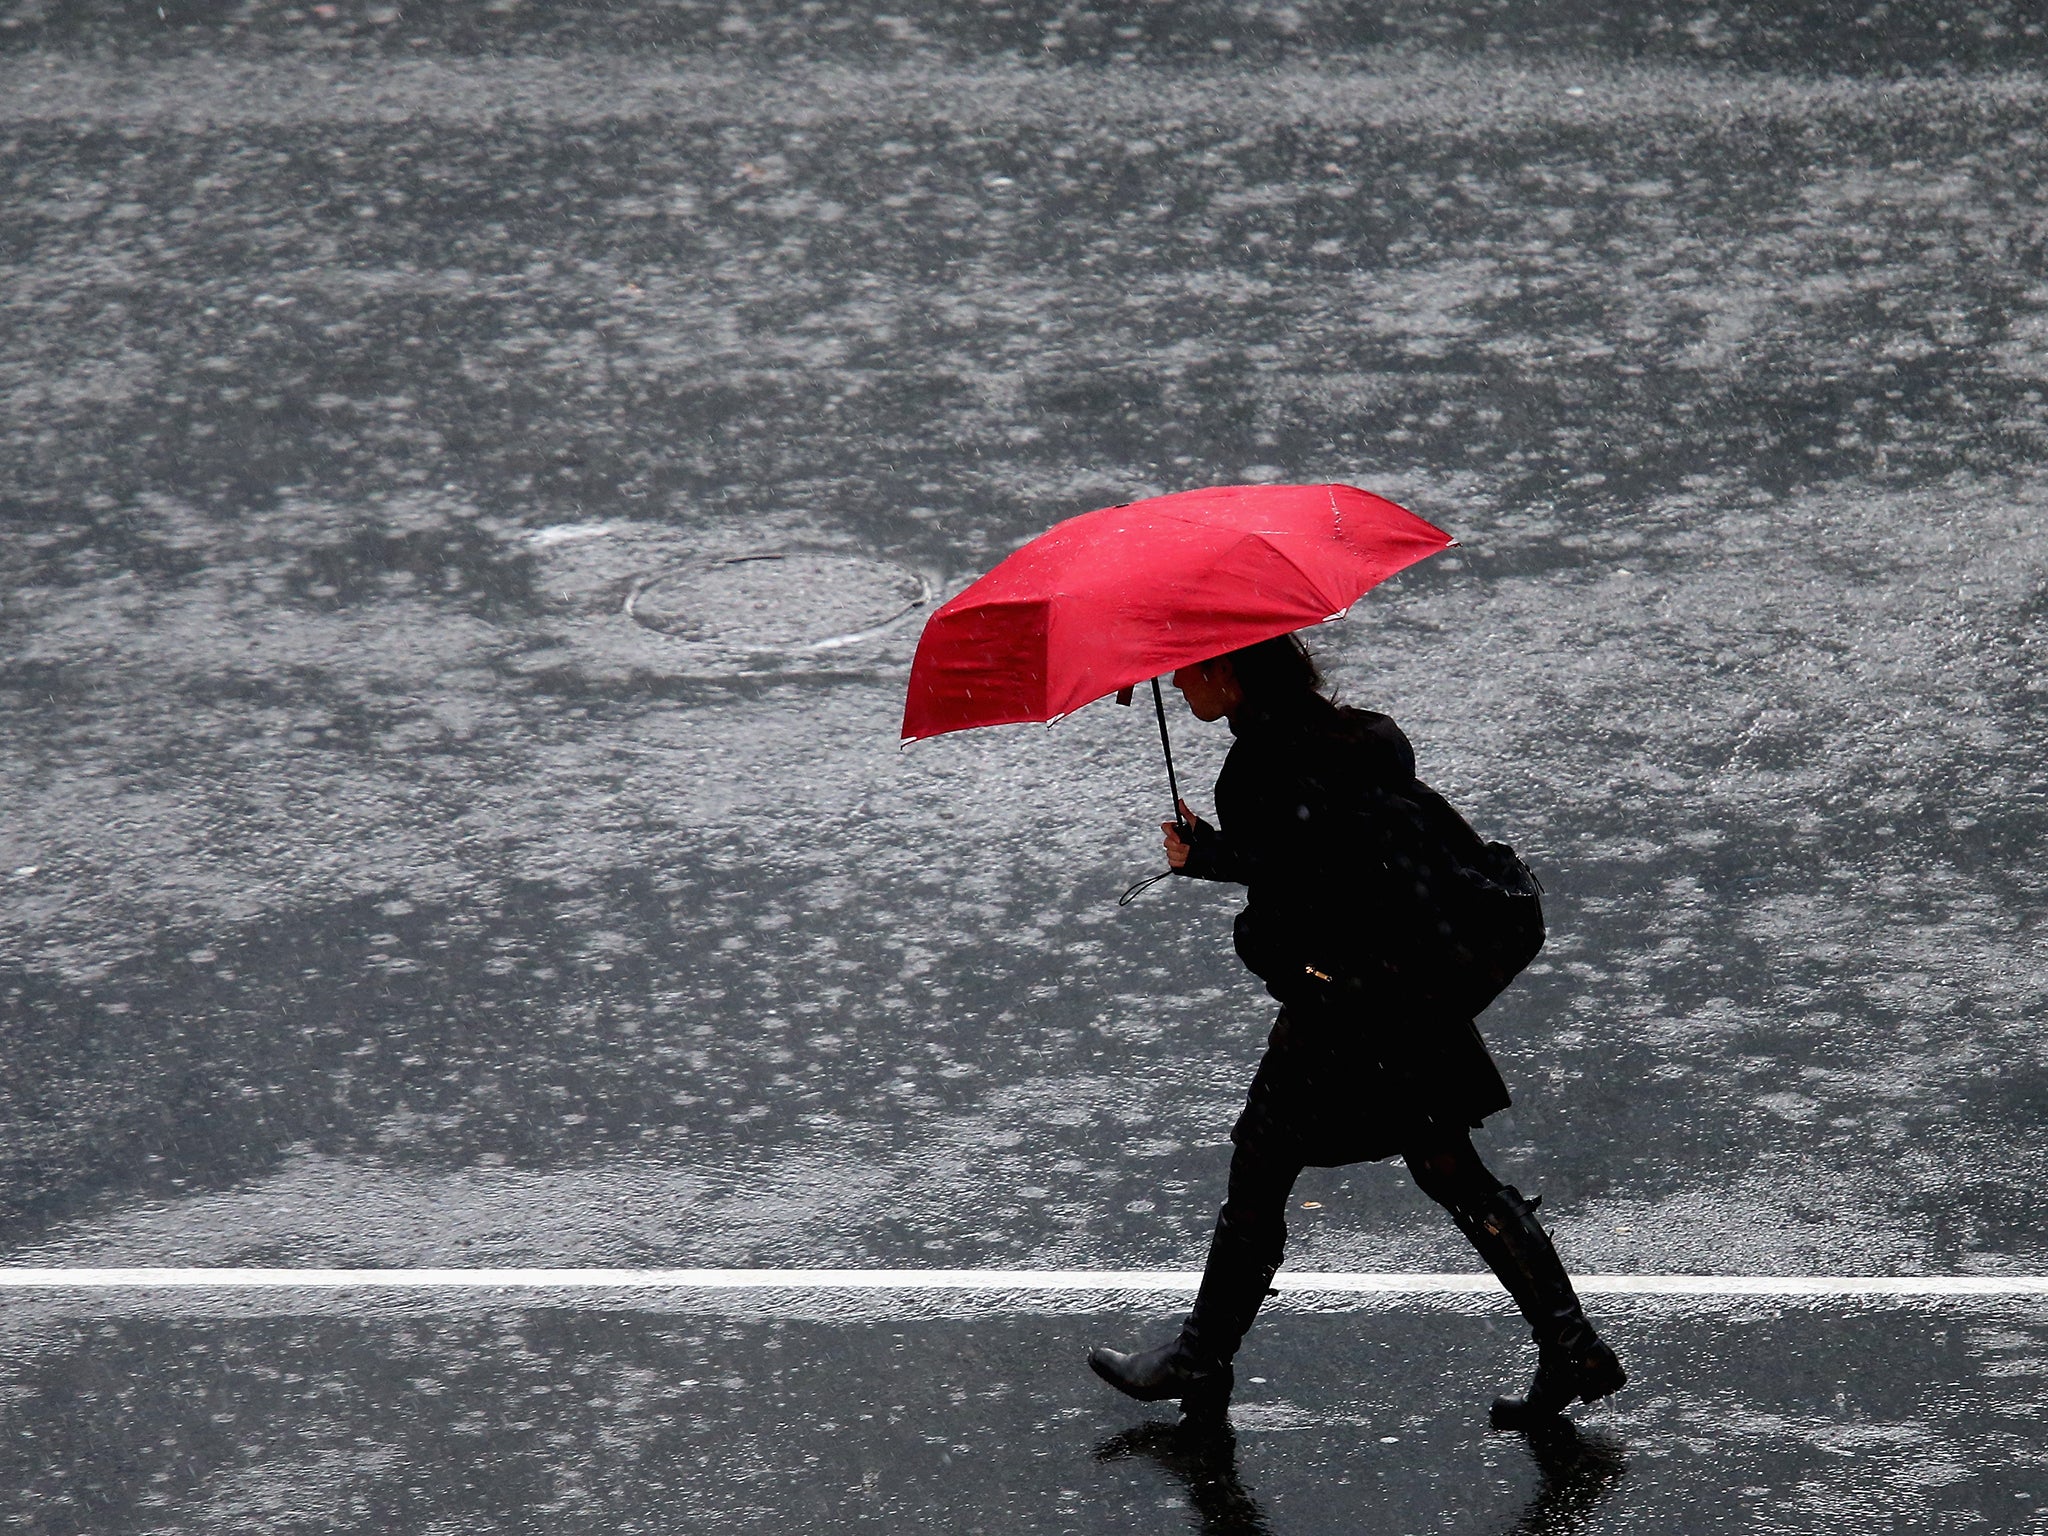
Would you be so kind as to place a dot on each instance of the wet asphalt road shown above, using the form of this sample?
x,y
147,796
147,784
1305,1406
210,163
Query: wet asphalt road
x,y
696,1420
420,845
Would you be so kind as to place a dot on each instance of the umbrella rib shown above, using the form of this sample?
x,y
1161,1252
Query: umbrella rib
x,y
1221,558
1293,564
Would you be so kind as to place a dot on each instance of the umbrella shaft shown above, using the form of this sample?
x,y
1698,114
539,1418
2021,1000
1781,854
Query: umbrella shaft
x,y
1166,746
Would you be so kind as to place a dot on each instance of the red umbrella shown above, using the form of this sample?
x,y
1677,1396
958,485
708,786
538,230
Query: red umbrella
x,y
1105,600
1108,599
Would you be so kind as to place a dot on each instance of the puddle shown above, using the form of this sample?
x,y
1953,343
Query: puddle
x,y
778,600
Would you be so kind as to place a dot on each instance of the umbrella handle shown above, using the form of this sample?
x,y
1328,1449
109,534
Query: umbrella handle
x,y
1166,746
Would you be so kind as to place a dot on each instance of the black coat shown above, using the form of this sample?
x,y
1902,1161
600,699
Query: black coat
x,y
1314,806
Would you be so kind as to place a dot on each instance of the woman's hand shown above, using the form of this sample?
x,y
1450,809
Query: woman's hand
x,y
1178,847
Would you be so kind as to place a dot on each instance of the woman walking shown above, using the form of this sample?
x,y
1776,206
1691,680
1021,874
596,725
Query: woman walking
x,y
1317,812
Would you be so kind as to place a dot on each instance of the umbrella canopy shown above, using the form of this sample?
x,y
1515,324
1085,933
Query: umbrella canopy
x,y
1108,599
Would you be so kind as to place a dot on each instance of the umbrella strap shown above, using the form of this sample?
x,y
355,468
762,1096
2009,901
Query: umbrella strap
x,y
1141,887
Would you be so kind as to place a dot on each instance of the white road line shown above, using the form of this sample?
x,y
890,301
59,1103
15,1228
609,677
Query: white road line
x,y
210,94
1003,1280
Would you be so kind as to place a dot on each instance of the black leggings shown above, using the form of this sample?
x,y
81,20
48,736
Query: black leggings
x,y
1254,1215
1251,1231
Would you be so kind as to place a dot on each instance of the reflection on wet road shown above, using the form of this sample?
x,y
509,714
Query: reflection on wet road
x,y
470,499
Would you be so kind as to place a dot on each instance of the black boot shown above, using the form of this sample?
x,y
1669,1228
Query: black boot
x,y
1575,1366
1572,1364
1175,1370
1195,1366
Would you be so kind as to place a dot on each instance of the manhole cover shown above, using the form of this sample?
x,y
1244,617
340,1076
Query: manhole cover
x,y
791,600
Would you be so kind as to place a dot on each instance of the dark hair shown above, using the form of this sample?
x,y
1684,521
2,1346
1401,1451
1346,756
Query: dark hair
x,y
1276,670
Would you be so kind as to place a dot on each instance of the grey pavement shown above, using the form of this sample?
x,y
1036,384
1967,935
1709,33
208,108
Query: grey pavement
x,y
430,836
